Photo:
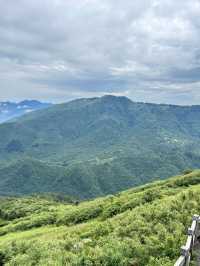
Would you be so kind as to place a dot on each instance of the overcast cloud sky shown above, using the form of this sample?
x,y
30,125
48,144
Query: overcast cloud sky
x,y
57,50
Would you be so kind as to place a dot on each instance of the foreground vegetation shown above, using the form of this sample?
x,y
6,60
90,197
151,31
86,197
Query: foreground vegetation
x,y
141,226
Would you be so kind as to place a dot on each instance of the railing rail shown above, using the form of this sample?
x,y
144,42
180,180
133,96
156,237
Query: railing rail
x,y
186,251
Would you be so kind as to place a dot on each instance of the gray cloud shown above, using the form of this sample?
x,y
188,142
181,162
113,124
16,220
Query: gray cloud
x,y
58,50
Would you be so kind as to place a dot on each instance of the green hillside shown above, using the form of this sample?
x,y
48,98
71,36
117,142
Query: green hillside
x,y
77,180
142,226
92,147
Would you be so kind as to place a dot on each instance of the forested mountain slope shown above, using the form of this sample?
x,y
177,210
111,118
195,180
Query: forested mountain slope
x,y
97,146
142,226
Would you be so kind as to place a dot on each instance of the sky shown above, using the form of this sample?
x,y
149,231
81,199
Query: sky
x,y
58,50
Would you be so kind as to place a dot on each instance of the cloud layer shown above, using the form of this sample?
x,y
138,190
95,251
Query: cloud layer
x,y
58,50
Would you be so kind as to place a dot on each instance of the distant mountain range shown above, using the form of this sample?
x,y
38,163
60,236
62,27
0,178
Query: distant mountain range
x,y
91,147
10,110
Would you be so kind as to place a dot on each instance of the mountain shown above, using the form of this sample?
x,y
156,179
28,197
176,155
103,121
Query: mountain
x,y
143,226
92,147
10,110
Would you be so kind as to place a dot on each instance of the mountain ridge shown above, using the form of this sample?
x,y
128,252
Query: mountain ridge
x,y
10,110
102,142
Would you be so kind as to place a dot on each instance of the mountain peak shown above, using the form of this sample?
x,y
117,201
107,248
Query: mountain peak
x,y
27,102
111,97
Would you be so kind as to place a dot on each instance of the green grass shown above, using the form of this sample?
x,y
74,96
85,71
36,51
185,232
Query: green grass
x,y
141,226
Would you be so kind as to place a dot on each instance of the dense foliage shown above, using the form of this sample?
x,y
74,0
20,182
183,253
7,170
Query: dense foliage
x,y
144,226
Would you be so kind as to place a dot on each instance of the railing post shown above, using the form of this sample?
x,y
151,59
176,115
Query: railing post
x,y
188,260
186,253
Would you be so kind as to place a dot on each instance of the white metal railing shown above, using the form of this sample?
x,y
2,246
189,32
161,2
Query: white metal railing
x,y
186,251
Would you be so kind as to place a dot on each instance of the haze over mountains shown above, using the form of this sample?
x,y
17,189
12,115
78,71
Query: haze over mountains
x,y
10,110
91,147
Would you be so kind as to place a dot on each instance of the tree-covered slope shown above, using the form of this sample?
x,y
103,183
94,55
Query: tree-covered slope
x,y
97,146
142,226
28,176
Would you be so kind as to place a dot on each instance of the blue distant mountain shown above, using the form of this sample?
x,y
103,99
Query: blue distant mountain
x,y
10,110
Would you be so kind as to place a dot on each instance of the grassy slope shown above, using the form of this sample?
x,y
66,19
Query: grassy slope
x,y
99,146
141,226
